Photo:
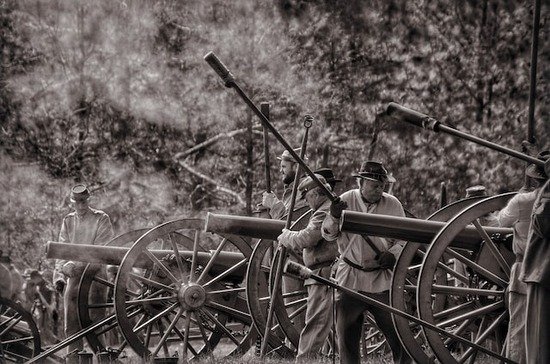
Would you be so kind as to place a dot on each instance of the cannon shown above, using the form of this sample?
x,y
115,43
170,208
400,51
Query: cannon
x,y
201,309
419,233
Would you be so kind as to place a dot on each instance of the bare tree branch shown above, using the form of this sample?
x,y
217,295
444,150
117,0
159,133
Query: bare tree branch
x,y
213,140
214,182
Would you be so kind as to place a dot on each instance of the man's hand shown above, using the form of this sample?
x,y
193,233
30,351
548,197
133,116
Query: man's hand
x,y
269,199
386,260
337,206
59,285
68,269
283,239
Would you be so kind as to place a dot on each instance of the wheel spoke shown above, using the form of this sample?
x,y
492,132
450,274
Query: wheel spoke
x,y
298,311
162,267
186,332
103,281
484,336
479,269
459,330
151,300
156,317
203,334
239,315
161,334
162,341
454,309
296,302
151,282
493,248
177,256
475,313
220,326
194,259
212,260
229,290
226,272
182,336
465,291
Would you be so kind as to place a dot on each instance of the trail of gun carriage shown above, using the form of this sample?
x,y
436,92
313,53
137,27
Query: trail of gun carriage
x,y
128,106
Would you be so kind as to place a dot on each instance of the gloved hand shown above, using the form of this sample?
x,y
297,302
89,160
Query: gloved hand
x,y
283,239
386,260
269,199
337,206
59,285
68,269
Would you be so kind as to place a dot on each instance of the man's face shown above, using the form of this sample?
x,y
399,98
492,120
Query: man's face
x,y
311,198
80,206
288,171
371,190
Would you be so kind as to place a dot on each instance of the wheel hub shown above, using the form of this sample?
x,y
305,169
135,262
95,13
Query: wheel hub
x,y
191,296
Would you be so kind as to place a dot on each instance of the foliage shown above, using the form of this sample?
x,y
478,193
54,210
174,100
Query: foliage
x,y
111,93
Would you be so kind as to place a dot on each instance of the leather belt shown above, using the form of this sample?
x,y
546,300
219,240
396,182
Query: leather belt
x,y
357,266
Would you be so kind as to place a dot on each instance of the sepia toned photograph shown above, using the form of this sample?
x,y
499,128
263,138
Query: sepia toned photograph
x,y
283,181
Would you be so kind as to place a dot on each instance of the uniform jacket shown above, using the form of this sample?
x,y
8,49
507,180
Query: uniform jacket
x,y
536,261
517,215
359,251
279,209
93,228
316,250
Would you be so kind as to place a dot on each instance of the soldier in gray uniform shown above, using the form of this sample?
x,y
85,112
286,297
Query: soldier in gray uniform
x,y
318,255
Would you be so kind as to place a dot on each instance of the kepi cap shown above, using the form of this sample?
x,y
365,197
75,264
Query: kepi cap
x,y
79,193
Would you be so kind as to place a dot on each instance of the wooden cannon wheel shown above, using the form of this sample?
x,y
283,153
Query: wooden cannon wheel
x,y
185,303
93,306
19,336
475,308
405,282
288,304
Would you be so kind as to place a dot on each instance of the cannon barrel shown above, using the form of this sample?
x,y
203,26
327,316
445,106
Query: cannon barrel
x,y
427,122
415,230
252,227
113,255
404,228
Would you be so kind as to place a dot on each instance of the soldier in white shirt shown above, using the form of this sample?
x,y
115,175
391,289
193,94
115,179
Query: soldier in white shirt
x,y
362,267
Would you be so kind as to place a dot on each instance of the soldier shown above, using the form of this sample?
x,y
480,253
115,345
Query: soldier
x,y
365,263
278,208
535,272
40,300
517,214
84,225
318,255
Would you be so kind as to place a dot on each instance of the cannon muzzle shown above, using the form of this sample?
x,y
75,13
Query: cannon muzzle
x,y
403,228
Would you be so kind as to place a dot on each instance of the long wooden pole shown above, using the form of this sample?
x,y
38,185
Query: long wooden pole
x,y
282,250
533,79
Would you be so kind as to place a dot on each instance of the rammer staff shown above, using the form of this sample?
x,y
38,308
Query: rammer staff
x,y
427,122
229,81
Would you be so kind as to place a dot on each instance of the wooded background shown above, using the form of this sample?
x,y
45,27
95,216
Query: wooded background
x,y
116,94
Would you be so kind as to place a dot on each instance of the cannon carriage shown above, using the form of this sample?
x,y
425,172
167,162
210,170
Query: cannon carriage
x,y
170,295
